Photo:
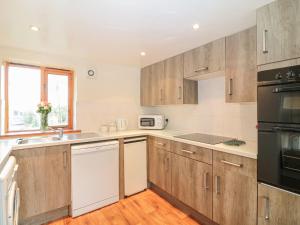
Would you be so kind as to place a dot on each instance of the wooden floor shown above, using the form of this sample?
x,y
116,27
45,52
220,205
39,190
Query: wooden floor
x,y
146,208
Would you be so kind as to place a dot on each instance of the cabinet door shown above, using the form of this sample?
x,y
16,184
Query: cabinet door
x,y
277,207
146,86
157,84
235,194
32,181
174,80
58,170
160,168
206,59
240,73
278,31
192,183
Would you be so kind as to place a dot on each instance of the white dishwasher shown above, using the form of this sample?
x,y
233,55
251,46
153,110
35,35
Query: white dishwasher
x,y
95,176
135,165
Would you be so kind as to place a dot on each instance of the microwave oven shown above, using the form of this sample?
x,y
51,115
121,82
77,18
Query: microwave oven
x,y
152,122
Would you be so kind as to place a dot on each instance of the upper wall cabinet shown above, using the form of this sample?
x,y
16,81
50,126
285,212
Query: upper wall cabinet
x,y
158,83
145,86
152,85
241,72
278,31
178,90
163,84
205,61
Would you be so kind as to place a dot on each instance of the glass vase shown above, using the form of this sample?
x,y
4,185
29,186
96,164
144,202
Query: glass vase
x,y
44,121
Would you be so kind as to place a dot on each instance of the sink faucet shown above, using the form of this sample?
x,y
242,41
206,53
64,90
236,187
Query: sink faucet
x,y
59,131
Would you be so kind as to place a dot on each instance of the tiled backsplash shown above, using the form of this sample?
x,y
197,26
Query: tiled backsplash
x,y
212,115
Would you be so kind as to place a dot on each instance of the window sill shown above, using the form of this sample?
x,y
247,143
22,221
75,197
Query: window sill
x,y
35,133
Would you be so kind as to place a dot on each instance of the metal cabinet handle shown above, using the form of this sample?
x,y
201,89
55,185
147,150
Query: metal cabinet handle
x,y
218,180
265,50
206,187
230,86
161,94
187,151
201,69
179,92
65,159
231,164
267,208
168,164
161,144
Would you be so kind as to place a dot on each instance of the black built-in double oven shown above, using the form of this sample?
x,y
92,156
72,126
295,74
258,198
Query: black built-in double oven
x,y
279,128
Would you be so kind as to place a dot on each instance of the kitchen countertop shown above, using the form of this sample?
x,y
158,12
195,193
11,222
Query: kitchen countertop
x,y
6,146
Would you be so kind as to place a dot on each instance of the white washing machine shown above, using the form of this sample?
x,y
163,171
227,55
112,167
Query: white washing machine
x,y
9,193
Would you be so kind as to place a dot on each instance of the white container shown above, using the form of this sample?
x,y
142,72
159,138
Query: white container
x,y
122,124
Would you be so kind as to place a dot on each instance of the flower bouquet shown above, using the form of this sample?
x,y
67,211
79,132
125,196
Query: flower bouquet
x,y
44,108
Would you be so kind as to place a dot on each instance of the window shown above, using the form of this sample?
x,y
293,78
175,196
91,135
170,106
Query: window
x,y
27,86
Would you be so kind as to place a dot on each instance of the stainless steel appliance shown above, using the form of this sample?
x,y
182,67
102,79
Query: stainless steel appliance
x,y
152,122
204,138
279,128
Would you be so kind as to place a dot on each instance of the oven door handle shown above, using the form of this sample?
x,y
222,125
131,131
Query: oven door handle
x,y
286,89
287,129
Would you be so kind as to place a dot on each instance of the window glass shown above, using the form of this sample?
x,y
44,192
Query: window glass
x,y
24,93
58,95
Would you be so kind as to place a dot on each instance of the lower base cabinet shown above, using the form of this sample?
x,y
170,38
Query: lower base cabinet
x,y
224,192
192,183
159,162
235,190
277,207
44,179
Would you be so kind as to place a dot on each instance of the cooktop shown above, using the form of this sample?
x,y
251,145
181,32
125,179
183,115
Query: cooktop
x,y
204,138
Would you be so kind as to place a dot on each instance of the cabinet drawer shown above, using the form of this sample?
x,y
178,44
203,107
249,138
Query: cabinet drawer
x,y
162,143
192,151
235,163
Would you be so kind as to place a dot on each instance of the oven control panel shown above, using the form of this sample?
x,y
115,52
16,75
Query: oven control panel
x,y
282,75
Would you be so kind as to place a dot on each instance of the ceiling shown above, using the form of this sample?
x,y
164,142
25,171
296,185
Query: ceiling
x,y
116,31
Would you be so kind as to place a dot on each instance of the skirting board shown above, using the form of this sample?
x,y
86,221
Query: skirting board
x,y
46,217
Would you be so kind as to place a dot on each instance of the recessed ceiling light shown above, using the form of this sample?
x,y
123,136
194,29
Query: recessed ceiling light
x,y
143,53
34,28
196,26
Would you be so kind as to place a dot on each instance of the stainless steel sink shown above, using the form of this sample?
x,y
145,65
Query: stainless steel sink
x,y
21,141
54,138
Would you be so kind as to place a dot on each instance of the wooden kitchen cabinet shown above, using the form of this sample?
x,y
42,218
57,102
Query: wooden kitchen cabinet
x,y
178,90
199,63
163,84
58,174
278,207
192,152
158,83
43,179
278,31
146,86
192,183
159,165
241,72
152,85
235,189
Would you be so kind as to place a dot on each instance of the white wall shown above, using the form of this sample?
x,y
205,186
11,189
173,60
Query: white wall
x,y
212,115
112,94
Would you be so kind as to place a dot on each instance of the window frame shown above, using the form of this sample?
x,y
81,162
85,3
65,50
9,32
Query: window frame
x,y
45,71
